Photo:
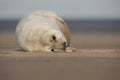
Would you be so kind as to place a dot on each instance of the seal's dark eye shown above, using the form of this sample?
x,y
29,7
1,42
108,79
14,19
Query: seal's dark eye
x,y
52,50
54,38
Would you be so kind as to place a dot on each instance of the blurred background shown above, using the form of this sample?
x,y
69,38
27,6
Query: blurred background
x,y
68,9
93,23
95,27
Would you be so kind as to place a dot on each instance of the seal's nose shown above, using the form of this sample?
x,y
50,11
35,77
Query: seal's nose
x,y
64,45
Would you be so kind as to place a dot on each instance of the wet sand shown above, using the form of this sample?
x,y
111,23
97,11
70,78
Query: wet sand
x,y
42,67
97,58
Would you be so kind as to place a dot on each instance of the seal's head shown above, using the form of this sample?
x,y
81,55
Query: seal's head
x,y
54,40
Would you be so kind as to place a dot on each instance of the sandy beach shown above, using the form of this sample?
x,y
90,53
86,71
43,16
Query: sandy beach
x,y
97,58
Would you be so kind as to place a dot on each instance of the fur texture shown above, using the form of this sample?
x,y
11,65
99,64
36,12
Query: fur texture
x,y
43,31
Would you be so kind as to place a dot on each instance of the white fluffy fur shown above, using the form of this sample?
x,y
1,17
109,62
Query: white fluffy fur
x,y
34,31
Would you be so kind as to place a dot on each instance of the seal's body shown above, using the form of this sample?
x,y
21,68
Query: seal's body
x,y
43,31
